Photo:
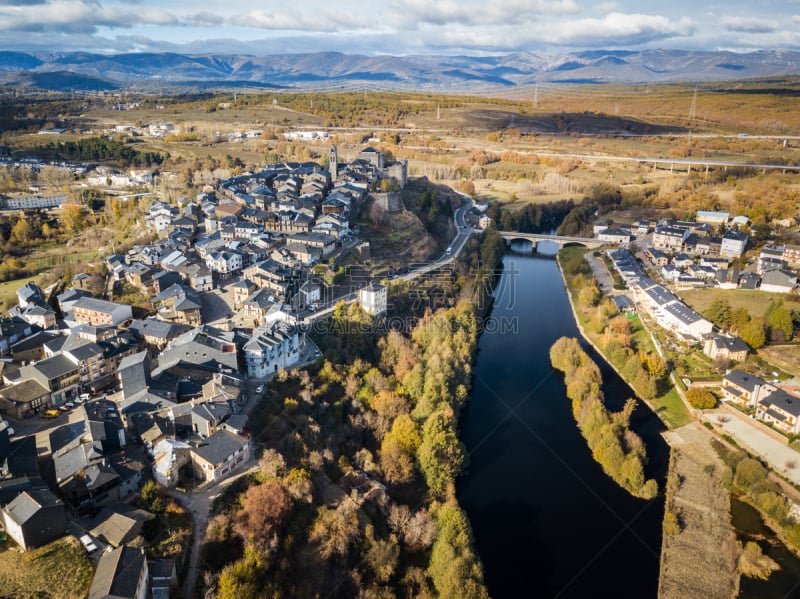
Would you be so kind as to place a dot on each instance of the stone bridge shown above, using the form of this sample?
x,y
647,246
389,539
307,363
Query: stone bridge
x,y
561,240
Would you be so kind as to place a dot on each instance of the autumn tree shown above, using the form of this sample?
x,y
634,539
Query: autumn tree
x,y
73,218
700,398
334,530
21,232
264,509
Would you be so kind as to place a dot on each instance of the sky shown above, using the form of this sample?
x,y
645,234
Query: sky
x,y
446,27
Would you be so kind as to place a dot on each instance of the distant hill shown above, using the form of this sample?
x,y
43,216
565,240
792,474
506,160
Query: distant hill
x,y
333,70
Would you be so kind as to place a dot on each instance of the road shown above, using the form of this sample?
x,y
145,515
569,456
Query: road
x,y
782,458
463,233
199,503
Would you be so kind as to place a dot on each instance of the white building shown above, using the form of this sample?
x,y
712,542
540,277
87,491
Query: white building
x,y
31,202
273,346
733,244
224,262
681,318
373,299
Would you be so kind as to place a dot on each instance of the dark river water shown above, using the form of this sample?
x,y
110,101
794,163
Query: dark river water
x,y
784,583
547,520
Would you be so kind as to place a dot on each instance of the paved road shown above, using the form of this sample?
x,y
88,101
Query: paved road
x,y
463,233
748,435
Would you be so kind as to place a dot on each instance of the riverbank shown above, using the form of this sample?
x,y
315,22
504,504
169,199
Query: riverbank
x,y
669,405
692,563
699,552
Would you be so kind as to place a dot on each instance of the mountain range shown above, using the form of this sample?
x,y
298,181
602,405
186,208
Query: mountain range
x,y
332,70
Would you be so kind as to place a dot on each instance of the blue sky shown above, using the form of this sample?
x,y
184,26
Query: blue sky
x,y
393,27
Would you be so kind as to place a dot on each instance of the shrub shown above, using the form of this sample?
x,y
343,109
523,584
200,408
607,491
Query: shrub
x,y
672,525
702,399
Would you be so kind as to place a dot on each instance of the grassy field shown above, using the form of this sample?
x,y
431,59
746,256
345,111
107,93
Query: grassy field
x,y
785,357
755,302
8,290
57,570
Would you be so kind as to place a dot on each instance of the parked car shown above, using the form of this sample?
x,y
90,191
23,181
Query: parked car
x,y
69,405
88,544
63,408
260,389
50,414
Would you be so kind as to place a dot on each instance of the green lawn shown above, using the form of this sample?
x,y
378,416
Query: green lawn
x,y
669,407
755,302
8,290
57,570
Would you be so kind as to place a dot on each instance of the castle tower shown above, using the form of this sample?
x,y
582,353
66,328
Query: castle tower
x,y
333,163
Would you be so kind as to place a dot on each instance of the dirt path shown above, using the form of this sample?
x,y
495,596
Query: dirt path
x,y
701,559
199,503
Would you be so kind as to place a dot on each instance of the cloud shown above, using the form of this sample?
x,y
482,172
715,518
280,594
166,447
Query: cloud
x,y
21,2
416,14
203,19
323,21
750,24
74,16
606,7
616,29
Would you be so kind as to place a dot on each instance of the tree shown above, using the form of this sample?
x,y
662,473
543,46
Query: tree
x,y
589,295
440,453
73,219
396,463
21,232
779,321
334,530
719,312
753,333
739,319
700,398
454,568
242,579
264,509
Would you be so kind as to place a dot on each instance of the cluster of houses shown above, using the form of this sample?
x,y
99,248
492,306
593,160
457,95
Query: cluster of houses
x,y
169,388
770,403
672,314
694,253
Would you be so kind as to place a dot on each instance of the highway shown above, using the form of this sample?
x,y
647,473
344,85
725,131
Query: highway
x,y
463,233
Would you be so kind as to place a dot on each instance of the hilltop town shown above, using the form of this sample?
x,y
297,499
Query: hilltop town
x,y
102,395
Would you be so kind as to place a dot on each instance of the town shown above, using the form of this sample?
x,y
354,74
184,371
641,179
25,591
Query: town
x,y
99,396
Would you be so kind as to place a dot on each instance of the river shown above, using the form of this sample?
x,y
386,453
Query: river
x,y
547,521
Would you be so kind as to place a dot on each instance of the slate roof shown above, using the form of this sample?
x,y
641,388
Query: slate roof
x,y
55,367
219,446
24,392
158,329
660,295
27,503
732,344
118,573
96,305
746,381
683,313
783,400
